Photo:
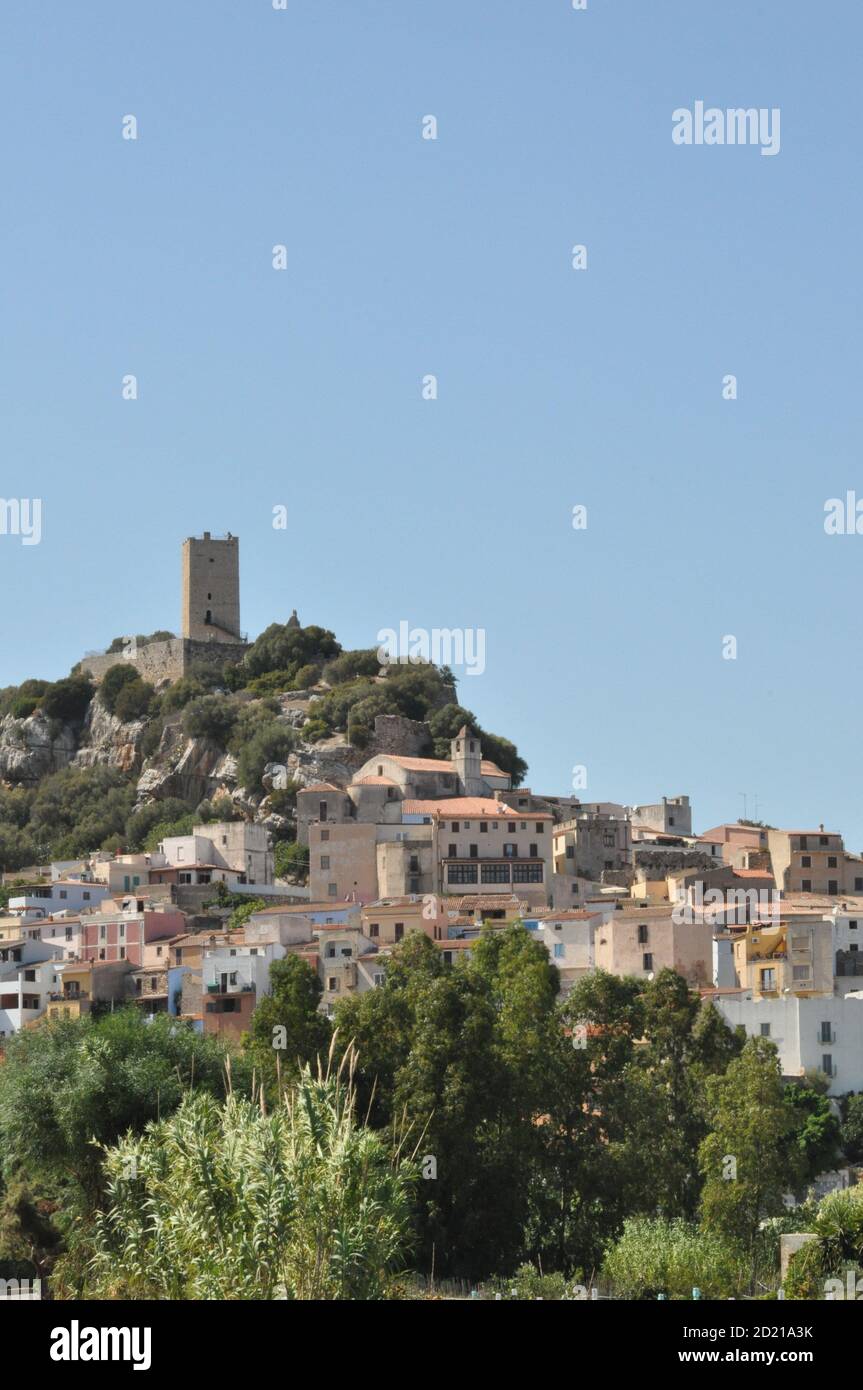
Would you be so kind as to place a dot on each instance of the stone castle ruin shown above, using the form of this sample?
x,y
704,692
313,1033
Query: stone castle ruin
x,y
210,631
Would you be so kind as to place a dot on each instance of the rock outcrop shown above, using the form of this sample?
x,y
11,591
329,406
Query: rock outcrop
x,y
33,748
107,741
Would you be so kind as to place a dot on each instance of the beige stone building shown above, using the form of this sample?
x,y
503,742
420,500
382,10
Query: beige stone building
x,y
813,861
643,941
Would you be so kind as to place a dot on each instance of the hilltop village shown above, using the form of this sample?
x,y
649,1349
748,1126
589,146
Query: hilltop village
x,y
339,868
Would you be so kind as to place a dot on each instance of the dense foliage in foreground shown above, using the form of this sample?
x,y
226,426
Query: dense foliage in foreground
x,y
572,1136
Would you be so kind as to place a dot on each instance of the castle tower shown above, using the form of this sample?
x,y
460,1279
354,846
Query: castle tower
x,y
211,589
466,755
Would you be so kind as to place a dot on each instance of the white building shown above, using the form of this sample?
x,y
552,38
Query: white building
x,y
28,977
569,939
65,895
822,1033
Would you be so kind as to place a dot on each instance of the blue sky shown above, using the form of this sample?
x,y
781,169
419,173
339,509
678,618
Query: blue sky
x,y
301,388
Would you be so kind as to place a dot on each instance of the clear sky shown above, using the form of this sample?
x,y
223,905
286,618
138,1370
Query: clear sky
x,y
603,387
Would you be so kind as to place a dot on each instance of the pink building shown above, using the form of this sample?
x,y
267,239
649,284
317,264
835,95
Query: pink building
x,y
123,935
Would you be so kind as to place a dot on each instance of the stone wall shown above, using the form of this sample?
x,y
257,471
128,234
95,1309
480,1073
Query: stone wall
x,y
171,660
406,738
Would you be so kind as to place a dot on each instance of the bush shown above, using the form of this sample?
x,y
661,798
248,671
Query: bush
x,y
284,648
157,813
67,700
656,1256
352,664
113,681
133,701
178,695
292,860
271,743
23,706
210,717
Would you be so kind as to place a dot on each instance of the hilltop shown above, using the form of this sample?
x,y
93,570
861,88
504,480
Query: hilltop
x,y
117,764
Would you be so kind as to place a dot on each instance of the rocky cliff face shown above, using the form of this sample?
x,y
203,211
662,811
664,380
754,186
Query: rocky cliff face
x,y
190,768
106,741
31,749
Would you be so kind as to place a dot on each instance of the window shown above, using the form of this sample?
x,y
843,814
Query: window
x,y
806,885
858,885
30,975
642,935
453,850
332,889
823,840
852,924
378,978
827,1064
474,851
540,827
122,952
63,893
647,961
559,950
800,972
806,861
670,820
374,929
325,861
483,827
333,984
510,851
765,1030
454,827
832,887
831,861
322,810
399,930
826,1033
510,827
325,834
804,842
534,851
527,873
768,979
461,873
495,873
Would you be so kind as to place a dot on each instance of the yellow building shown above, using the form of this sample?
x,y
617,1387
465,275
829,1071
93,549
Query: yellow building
x,y
793,957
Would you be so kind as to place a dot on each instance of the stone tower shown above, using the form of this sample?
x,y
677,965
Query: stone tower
x,y
211,589
466,755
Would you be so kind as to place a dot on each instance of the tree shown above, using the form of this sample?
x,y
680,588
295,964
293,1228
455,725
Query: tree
x,y
231,1202
282,647
287,1023
124,673
65,1084
745,1160
68,700
210,717
133,701
852,1127
272,743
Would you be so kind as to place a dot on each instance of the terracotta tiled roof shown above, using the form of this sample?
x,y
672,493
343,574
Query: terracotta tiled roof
x,y
373,782
319,787
487,767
